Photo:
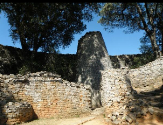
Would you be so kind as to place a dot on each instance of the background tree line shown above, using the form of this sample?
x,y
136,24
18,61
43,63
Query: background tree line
x,y
48,26
136,17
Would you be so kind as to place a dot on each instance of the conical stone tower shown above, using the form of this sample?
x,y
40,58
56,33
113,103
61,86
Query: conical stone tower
x,y
92,59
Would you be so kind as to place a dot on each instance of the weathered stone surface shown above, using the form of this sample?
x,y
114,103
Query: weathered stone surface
x,y
121,88
125,94
17,112
92,57
147,77
47,93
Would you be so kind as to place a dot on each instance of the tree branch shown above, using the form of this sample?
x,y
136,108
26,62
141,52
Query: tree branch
x,y
147,10
150,16
142,19
141,27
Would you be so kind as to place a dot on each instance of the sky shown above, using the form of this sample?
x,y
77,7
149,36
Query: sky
x,y
117,42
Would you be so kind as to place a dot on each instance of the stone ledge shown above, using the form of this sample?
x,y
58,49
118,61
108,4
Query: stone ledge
x,y
17,112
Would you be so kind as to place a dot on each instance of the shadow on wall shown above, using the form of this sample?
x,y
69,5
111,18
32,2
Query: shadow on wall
x,y
11,107
3,102
6,96
145,107
92,58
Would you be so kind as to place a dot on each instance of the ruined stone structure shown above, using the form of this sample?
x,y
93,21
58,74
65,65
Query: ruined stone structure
x,y
122,92
16,112
92,58
11,61
48,95
121,88
147,77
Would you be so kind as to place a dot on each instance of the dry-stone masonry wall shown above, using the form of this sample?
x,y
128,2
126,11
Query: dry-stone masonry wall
x,y
120,90
44,94
16,112
11,61
48,94
116,92
92,57
147,77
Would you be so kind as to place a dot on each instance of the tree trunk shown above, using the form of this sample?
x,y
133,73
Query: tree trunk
x,y
35,48
155,47
24,45
162,44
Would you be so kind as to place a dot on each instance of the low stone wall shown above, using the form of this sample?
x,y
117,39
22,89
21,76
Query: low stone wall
x,y
16,112
120,91
47,93
147,77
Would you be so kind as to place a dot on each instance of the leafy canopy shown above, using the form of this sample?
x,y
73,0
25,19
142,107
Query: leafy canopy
x,y
47,26
135,17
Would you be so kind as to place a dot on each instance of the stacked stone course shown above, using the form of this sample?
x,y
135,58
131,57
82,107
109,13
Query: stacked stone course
x,y
92,57
121,88
17,112
147,77
48,94
45,95
116,91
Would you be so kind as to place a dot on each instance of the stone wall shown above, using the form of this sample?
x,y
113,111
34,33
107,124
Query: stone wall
x,y
116,92
13,62
92,57
121,88
47,93
16,112
147,77
98,84
114,86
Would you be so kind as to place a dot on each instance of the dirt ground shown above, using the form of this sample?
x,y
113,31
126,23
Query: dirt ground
x,y
89,120
148,120
95,118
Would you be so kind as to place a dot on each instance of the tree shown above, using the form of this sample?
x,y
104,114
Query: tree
x,y
47,26
146,47
135,17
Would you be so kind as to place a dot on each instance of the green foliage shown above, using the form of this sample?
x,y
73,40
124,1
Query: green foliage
x,y
146,46
24,70
64,65
47,26
135,17
119,15
30,66
131,16
142,60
